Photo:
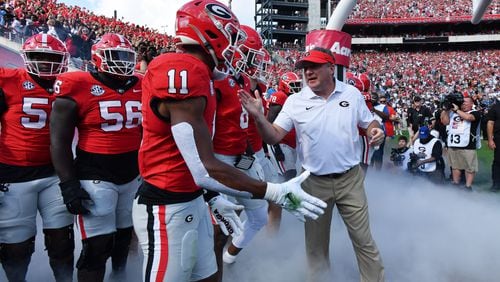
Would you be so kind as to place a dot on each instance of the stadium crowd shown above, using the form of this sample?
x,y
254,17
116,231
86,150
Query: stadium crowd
x,y
77,27
414,9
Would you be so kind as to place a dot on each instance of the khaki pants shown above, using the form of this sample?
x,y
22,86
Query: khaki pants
x,y
347,191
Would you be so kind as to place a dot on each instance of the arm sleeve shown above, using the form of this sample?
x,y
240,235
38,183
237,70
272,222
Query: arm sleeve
x,y
184,139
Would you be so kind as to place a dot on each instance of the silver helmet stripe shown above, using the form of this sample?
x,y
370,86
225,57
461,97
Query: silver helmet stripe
x,y
122,39
44,40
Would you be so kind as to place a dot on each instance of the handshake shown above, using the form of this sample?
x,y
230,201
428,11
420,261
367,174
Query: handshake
x,y
290,196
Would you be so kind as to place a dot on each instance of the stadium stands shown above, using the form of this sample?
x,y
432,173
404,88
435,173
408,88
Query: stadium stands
x,y
431,72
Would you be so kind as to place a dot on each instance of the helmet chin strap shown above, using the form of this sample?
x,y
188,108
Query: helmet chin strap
x,y
216,72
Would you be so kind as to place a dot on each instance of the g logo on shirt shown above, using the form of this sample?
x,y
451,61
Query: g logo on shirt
x,y
457,119
189,218
344,104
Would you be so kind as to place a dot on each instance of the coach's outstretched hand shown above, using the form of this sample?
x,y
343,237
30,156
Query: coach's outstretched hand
x,y
225,214
292,198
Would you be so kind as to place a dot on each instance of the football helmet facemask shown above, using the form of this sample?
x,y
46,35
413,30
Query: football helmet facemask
x,y
114,54
290,83
252,57
45,56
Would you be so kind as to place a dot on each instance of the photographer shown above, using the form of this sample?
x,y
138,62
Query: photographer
x,y
400,156
427,157
463,137
419,115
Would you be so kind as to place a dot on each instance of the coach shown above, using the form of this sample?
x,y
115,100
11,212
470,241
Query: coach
x,y
326,115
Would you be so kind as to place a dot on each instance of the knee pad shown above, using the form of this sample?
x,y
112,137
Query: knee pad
x,y
122,237
95,252
121,245
60,243
17,251
188,255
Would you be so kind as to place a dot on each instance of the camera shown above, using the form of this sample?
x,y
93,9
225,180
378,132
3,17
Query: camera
x,y
453,98
412,164
396,157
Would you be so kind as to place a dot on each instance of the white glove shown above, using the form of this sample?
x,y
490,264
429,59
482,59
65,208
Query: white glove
x,y
292,198
225,214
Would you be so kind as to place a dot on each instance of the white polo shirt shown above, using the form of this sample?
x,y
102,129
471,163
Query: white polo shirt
x,y
327,133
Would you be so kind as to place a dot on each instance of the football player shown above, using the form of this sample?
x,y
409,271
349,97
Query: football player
x,y
231,137
362,83
27,178
99,186
176,158
283,154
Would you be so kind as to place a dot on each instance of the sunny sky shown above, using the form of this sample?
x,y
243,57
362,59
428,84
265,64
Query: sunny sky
x,y
158,14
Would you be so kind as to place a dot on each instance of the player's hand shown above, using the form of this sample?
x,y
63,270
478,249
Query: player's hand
x,y
225,214
251,102
73,197
292,198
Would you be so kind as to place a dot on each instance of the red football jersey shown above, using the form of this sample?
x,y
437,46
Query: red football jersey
x,y
231,119
108,121
253,133
25,138
279,98
176,77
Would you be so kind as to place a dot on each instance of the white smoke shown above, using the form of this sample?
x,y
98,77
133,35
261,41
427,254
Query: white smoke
x,y
424,233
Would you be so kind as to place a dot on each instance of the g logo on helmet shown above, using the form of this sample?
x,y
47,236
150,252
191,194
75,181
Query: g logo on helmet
x,y
218,11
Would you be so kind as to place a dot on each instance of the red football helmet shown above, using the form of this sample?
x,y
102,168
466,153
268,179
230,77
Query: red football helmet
x,y
211,25
114,54
354,81
290,83
365,79
45,56
252,55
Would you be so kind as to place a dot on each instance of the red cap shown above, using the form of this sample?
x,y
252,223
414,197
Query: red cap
x,y
315,57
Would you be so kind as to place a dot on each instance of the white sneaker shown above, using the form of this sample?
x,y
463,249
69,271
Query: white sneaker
x,y
228,258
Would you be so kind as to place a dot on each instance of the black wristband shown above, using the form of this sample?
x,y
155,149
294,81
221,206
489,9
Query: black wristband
x,y
69,184
209,195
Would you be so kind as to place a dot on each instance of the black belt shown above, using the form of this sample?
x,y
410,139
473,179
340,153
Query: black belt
x,y
335,174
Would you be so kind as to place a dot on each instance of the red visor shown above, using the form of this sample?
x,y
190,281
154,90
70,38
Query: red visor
x,y
315,57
